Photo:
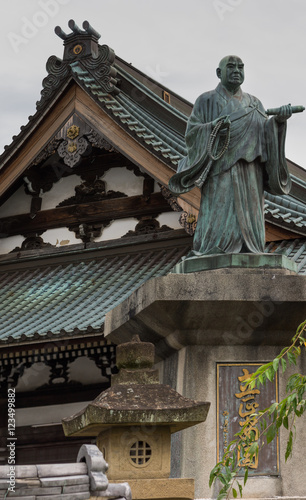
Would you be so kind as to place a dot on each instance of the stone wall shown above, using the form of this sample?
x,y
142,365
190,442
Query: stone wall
x,y
197,446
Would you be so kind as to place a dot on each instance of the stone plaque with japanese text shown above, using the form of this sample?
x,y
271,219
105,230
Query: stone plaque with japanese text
x,y
236,403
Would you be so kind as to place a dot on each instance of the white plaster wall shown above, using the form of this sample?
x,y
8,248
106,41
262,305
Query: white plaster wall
x,y
33,377
123,180
170,219
117,229
60,191
8,244
60,237
156,187
18,203
84,370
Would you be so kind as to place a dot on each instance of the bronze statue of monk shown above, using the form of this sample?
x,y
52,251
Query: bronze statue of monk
x,y
235,152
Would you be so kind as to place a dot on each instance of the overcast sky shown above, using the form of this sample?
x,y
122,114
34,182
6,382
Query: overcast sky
x,y
177,42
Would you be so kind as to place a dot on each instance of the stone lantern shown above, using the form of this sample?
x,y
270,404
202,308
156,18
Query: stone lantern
x,y
133,421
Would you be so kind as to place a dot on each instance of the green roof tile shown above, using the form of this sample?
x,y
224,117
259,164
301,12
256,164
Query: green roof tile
x,y
53,301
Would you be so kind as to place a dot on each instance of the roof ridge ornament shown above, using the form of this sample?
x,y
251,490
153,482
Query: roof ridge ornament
x,y
78,42
84,59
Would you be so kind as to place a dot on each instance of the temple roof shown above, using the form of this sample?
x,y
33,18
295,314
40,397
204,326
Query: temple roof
x,y
40,300
150,114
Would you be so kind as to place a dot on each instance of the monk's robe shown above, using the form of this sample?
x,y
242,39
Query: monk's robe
x,y
231,216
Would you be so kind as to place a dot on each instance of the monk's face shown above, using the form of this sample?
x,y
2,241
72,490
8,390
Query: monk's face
x,y
231,72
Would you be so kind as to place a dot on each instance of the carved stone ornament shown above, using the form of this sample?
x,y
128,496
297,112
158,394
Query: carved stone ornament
x,y
59,371
71,143
47,151
72,151
88,232
147,225
73,132
97,141
91,191
188,222
170,198
32,243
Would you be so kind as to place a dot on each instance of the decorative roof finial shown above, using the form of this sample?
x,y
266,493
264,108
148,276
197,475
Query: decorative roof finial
x,y
79,43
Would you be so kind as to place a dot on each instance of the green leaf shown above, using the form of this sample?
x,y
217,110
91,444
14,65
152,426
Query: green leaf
x,y
283,352
282,408
212,477
228,474
222,495
289,446
291,358
253,450
270,373
235,493
270,434
262,369
252,384
284,364
223,479
272,408
279,422
260,380
285,422
246,476
275,364
240,489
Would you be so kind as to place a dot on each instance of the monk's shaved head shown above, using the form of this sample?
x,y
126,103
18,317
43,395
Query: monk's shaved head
x,y
226,59
231,72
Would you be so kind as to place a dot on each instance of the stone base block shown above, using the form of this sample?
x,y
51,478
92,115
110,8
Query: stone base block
x,y
235,306
161,489
230,260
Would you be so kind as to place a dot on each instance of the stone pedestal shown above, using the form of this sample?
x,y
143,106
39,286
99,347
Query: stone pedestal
x,y
233,306
200,321
262,261
168,489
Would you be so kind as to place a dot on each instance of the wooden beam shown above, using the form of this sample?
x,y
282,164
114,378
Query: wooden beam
x,y
275,233
52,396
99,211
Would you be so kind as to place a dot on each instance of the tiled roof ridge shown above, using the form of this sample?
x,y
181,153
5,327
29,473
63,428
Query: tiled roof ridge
x,y
59,74
280,209
137,123
150,93
298,180
119,62
295,249
288,202
174,138
99,67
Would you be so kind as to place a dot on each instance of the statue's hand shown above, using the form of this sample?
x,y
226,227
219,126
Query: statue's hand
x,y
225,119
284,113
